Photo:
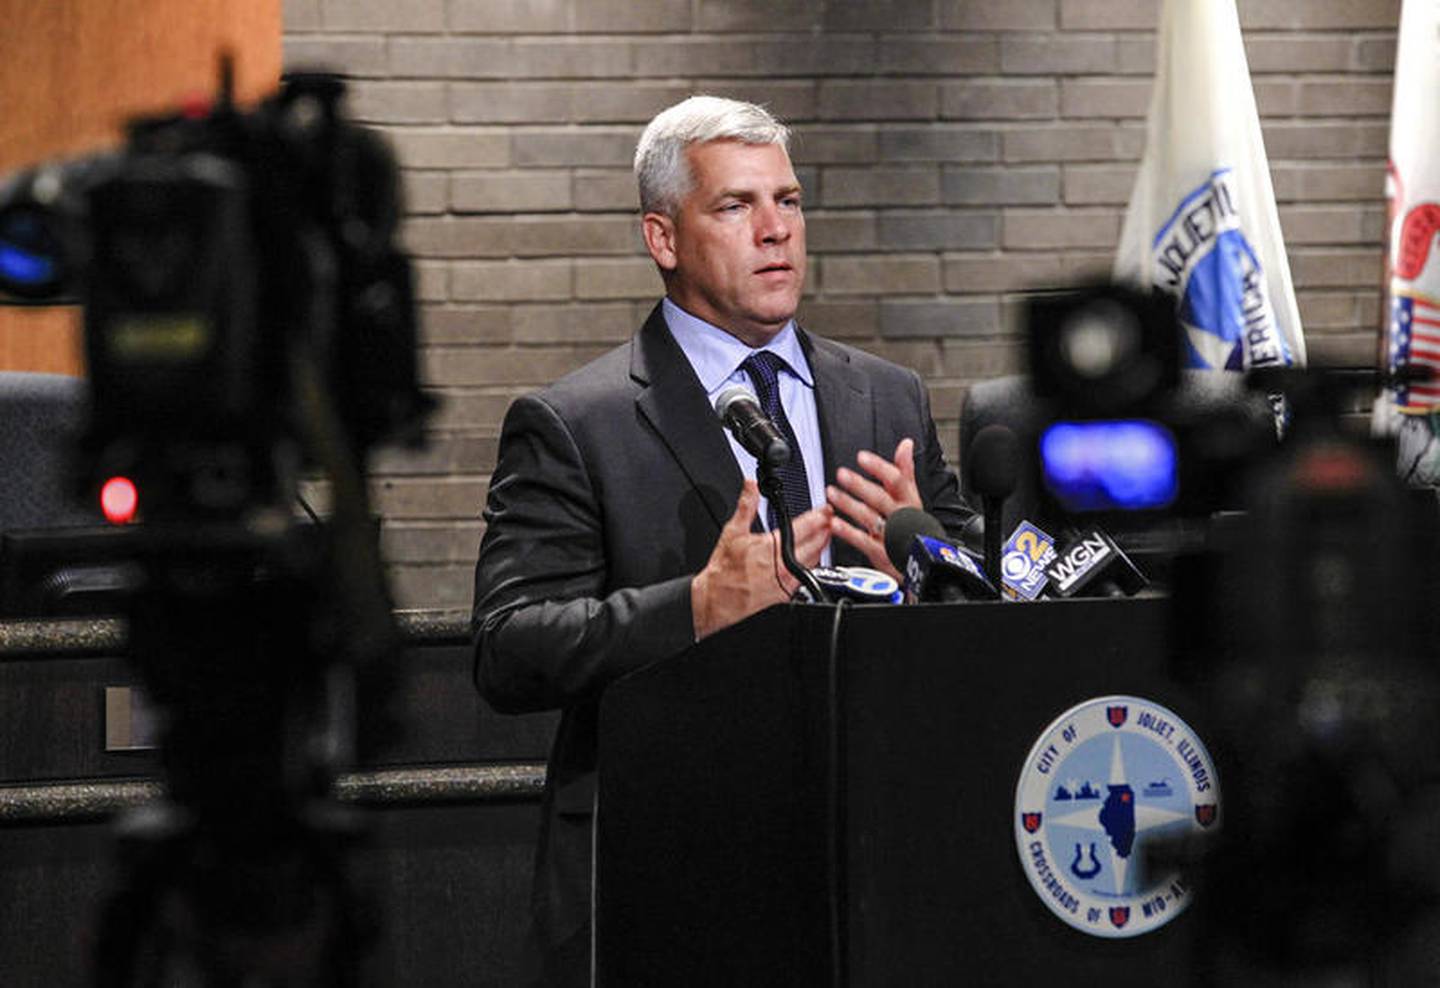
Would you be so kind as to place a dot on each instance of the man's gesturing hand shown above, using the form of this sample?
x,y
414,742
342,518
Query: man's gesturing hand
x,y
867,501
744,574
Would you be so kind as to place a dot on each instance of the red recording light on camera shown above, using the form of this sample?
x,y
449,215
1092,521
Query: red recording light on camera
x,y
118,500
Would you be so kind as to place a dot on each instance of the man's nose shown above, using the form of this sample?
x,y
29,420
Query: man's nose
x,y
772,226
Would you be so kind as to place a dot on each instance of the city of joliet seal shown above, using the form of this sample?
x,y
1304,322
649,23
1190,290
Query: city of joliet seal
x,y
1106,779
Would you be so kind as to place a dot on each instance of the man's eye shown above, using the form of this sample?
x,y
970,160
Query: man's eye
x,y
791,201
732,207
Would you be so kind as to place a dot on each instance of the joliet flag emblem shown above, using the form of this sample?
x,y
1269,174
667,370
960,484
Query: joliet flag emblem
x,y
1203,259
1202,224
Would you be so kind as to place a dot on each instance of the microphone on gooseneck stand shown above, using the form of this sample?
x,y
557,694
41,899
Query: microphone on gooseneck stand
x,y
741,413
935,569
740,410
993,466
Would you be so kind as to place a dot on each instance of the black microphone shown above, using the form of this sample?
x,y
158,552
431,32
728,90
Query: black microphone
x,y
935,568
1026,553
1092,565
993,466
740,410
859,584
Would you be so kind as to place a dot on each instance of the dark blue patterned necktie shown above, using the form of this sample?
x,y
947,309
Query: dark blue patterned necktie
x,y
764,369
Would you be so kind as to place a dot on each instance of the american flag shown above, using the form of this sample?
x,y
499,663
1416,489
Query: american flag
x,y
1415,339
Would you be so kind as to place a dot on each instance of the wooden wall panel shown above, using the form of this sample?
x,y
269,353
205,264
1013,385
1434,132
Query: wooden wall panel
x,y
73,71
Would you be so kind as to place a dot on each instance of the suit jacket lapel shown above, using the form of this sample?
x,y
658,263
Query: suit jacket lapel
x,y
673,402
847,418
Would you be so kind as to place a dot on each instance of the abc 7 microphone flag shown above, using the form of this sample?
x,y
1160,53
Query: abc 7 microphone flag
x,y
1202,224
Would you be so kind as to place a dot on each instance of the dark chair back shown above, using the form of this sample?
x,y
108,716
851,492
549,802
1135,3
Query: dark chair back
x,y
40,417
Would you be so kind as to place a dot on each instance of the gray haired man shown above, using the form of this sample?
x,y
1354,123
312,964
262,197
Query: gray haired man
x,y
624,524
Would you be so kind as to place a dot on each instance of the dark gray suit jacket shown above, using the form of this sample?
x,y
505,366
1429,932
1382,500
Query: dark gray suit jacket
x,y
611,489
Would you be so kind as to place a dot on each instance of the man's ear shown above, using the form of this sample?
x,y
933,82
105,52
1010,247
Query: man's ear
x,y
659,231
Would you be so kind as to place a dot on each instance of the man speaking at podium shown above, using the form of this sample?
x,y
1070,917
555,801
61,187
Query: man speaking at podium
x,y
623,522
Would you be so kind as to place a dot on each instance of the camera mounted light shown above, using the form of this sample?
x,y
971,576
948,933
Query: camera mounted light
x,y
119,500
1102,351
1099,338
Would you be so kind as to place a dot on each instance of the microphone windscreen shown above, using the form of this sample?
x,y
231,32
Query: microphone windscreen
x,y
732,394
994,461
901,528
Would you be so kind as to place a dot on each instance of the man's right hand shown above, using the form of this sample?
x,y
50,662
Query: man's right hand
x,y
745,574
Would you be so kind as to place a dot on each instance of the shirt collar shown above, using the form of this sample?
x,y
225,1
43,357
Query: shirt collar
x,y
716,355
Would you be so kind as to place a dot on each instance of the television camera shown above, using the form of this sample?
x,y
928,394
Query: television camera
x,y
1302,628
248,321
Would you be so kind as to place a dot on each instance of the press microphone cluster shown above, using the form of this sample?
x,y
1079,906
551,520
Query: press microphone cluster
x,y
1088,564
1030,563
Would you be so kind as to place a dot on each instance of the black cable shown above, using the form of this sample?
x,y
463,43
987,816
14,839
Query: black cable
x,y
834,805
16,302
774,489
1415,464
779,580
308,510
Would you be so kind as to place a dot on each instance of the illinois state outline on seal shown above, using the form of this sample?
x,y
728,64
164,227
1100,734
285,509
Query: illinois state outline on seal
x,y
1107,778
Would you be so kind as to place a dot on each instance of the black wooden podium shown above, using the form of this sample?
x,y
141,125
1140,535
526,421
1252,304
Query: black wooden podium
x,y
813,799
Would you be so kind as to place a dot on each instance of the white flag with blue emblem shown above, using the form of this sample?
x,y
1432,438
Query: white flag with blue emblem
x,y
1202,224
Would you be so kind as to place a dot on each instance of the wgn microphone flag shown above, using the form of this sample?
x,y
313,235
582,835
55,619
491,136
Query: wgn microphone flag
x,y
1202,224
1412,186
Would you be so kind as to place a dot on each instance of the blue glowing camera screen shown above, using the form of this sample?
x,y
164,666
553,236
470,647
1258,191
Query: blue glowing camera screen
x,y
1116,465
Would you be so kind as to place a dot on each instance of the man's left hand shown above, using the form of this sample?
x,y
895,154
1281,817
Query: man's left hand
x,y
863,501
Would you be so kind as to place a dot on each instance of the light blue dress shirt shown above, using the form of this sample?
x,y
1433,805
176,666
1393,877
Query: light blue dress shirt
x,y
716,357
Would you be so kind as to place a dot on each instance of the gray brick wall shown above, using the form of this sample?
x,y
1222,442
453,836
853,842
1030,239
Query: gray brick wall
x,y
954,153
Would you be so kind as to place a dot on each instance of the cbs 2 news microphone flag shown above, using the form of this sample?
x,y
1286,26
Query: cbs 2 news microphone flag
x,y
1202,225
1412,186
